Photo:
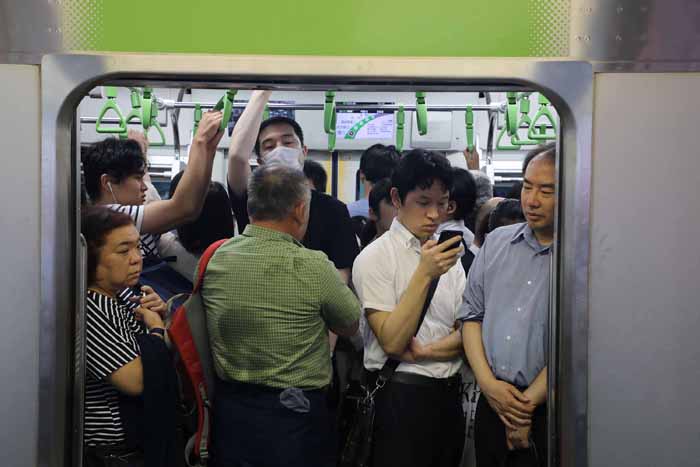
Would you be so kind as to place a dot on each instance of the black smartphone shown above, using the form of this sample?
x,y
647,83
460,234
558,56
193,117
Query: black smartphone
x,y
448,234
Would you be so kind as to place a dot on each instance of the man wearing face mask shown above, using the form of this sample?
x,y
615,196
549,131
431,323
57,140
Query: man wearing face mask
x,y
280,140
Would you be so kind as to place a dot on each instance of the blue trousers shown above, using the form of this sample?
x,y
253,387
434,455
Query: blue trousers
x,y
252,428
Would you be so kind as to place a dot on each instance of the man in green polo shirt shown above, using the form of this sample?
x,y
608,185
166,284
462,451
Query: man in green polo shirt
x,y
270,303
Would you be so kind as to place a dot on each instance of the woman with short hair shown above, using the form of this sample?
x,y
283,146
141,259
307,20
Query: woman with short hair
x,y
112,351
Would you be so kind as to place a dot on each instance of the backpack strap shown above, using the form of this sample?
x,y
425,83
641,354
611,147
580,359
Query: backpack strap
x,y
204,261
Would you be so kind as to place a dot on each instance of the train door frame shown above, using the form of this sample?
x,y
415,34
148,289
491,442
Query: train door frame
x,y
66,78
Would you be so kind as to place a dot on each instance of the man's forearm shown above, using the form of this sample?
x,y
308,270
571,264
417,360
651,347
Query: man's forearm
x,y
192,189
243,140
474,348
445,349
399,326
537,392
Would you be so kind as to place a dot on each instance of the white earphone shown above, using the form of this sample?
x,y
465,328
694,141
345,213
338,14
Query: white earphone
x,y
109,185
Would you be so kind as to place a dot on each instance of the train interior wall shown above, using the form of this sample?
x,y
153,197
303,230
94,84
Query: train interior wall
x,y
20,133
644,267
644,271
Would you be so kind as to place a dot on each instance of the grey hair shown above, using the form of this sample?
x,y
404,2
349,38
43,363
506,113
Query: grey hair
x,y
484,188
274,190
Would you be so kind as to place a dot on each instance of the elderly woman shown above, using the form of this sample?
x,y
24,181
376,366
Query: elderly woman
x,y
114,336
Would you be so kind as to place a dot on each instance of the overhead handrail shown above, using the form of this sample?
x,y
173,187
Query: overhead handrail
x,y
511,113
400,123
421,113
469,123
524,122
225,104
329,111
111,104
492,107
542,112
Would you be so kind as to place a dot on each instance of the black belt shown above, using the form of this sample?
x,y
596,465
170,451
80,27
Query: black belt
x,y
417,380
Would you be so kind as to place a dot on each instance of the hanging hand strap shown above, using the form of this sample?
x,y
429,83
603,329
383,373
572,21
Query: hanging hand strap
x,y
469,124
110,104
400,123
421,113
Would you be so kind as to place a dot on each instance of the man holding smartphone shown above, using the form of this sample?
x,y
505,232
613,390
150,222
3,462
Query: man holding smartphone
x,y
418,418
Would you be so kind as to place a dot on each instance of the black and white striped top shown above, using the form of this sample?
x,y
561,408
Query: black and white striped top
x,y
110,343
149,242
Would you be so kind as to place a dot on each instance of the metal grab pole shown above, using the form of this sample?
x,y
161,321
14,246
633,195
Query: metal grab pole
x,y
387,107
168,104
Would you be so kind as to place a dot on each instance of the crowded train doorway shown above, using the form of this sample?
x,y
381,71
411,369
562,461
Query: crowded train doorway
x,y
500,115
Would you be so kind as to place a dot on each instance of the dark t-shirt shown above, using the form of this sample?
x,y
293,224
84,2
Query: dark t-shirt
x,y
330,229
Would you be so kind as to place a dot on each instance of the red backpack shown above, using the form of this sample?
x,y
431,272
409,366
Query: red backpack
x,y
190,338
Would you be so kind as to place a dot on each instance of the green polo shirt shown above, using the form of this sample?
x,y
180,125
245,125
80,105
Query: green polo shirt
x,y
269,304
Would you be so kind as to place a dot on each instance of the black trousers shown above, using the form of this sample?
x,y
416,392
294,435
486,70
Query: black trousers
x,y
418,425
253,429
490,439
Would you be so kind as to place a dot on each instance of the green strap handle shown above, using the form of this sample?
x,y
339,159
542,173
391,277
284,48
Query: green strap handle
x,y
421,113
197,118
111,104
148,111
135,112
524,121
329,113
504,146
400,124
155,124
511,123
542,112
331,134
266,112
225,104
469,123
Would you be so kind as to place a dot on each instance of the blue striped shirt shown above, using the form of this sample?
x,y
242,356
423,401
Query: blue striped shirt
x,y
508,291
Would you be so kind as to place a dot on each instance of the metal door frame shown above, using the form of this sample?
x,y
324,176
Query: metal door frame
x,y
66,78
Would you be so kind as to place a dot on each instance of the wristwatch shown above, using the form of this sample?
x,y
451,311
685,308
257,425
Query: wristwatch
x,y
158,331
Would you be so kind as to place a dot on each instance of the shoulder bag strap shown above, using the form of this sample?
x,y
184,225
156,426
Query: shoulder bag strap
x,y
204,261
391,364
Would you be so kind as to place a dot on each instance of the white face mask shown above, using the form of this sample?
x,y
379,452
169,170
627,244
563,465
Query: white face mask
x,y
289,157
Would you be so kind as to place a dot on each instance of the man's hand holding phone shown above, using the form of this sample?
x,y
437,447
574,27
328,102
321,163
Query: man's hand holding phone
x,y
438,257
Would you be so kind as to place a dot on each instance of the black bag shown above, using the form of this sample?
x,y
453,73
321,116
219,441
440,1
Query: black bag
x,y
357,446
164,280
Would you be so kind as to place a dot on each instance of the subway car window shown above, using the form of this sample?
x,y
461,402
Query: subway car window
x,y
327,278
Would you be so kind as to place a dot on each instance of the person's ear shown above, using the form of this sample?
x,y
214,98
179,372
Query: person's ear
x,y
373,216
451,207
304,150
106,183
395,198
299,213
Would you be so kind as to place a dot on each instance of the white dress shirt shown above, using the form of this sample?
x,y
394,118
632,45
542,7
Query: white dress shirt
x,y
381,274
